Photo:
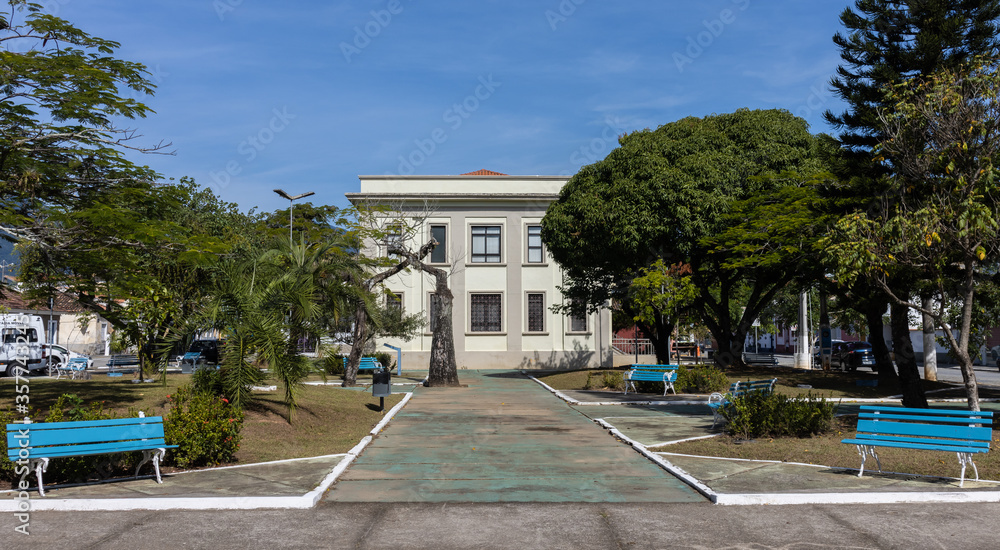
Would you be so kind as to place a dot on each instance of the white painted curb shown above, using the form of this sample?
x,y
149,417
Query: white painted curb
x,y
736,499
307,500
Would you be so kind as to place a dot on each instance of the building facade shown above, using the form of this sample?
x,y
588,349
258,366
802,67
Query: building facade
x,y
503,280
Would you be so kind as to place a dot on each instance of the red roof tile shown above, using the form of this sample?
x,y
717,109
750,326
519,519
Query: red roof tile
x,y
13,300
484,173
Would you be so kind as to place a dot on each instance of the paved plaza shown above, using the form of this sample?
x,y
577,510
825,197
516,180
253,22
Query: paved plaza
x,y
506,462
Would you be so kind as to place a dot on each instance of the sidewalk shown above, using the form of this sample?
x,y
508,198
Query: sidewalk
x,y
506,438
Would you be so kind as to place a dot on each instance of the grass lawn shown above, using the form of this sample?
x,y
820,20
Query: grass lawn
x,y
329,420
829,451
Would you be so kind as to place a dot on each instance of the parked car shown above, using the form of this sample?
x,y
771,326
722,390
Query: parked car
x,y
817,360
19,342
851,355
61,355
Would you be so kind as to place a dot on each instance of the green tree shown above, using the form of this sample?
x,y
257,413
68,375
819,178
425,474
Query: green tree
x,y
61,149
942,137
672,194
887,43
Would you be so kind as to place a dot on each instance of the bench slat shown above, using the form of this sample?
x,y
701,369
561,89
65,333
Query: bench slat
x,y
935,412
918,446
41,426
94,448
942,420
979,444
924,430
101,434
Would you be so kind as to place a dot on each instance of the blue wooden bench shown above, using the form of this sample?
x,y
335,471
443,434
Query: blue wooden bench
x,y
951,430
738,390
74,368
122,361
652,373
367,363
37,443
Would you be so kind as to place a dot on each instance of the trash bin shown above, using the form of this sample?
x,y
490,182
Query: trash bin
x,y
381,385
381,382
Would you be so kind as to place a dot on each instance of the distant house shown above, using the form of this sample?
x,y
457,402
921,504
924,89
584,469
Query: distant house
x,y
488,225
67,323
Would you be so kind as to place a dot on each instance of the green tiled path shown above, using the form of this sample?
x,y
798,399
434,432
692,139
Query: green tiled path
x,y
501,439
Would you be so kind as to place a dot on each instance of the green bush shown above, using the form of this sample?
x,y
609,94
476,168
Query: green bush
x,y
332,365
205,427
207,380
387,359
757,414
700,379
6,466
614,380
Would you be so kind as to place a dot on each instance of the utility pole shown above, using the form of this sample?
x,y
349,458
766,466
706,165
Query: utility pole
x,y
802,360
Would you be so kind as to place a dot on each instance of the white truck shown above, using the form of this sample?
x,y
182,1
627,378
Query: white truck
x,y
21,336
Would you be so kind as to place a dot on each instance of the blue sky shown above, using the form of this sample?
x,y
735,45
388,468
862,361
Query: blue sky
x,y
306,95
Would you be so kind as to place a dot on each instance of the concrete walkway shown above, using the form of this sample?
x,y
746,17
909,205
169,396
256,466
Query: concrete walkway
x,y
501,439
505,438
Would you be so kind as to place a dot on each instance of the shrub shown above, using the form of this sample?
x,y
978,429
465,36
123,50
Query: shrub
x,y
205,427
332,365
613,380
774,415
387,359
207,380
700,379
6,466
599,380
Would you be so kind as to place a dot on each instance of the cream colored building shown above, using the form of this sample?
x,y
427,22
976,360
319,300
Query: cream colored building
x,y
503,279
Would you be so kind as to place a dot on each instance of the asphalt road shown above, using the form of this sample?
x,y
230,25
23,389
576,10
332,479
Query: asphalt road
x,y
521,526
985,375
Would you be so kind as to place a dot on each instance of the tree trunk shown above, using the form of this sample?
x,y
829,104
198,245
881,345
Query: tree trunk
x,y
361,314
887,377
443,369
730,353
357,345
906,360
659,337
930,345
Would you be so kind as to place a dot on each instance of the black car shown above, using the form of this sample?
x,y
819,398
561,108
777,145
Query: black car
x,y
209,350
851,355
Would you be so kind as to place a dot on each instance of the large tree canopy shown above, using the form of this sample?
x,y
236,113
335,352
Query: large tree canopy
x,y
61,147
887,43
664,193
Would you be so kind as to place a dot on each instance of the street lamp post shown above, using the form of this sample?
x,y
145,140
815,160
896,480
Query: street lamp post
x,y
291,205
